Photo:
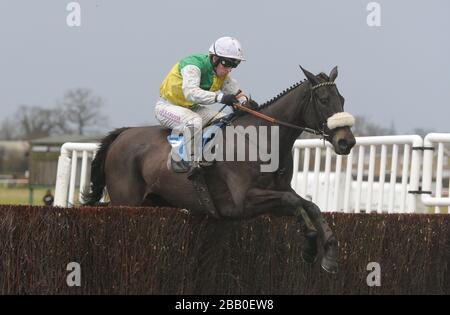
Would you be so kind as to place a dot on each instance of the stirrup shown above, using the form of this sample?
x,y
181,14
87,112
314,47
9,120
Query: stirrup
x,y
196,169
205,163
181,166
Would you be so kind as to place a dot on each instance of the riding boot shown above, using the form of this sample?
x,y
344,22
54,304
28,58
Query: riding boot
x,y
194,170
180,166
182,154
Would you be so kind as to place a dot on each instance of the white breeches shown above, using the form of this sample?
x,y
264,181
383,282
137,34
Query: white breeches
x,y
177,117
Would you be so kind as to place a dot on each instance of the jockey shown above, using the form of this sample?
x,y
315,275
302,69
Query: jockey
x,y
197,81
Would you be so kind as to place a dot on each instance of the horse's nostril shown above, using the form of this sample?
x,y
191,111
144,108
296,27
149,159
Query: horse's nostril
x,y
343,144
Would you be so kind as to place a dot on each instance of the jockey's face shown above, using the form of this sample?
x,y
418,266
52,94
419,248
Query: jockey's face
x,y
221,70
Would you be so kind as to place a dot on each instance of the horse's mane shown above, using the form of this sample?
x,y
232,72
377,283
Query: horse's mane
x,y
271,101
321,75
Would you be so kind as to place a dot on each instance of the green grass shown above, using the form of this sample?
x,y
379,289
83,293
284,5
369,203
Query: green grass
x,y
19,196
430,210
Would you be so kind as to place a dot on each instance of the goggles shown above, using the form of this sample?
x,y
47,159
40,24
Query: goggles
x,y
229,62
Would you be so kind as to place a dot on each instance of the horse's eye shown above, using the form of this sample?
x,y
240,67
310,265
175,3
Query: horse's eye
x,y
324,100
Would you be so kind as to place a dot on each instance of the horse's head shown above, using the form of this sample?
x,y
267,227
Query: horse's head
x,y
325,111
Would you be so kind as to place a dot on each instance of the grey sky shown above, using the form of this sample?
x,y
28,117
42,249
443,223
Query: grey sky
x,y
399,72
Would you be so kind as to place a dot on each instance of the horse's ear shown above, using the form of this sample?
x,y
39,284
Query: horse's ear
x,y
311,77
333,74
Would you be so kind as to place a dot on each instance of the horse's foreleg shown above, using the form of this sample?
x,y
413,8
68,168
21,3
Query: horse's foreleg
x,y
259,201
289,203
329,259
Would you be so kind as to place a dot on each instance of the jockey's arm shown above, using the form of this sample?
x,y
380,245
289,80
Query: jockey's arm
x,y
191,87
231,86
192,92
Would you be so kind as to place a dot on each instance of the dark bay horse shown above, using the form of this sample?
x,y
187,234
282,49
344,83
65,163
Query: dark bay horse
x,y
132,164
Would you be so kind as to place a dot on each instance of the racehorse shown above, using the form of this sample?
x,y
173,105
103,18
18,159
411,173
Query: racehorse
x,y
132,164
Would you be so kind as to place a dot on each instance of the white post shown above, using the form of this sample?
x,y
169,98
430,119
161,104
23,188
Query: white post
x,y
66,172
73,177
295,168
370,178
440,158
62,179
306,158
393,180
316,174
415,173
83,179
348,181
405,168
337,177
359,179
327,177
381,179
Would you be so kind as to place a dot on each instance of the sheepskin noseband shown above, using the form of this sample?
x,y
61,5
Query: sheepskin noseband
x,y
341,119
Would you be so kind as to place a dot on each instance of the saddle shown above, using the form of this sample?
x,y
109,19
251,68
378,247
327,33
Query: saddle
x,y
182,164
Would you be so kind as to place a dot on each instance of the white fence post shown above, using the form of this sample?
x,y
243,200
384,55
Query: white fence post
x,y
427,173
67,172
414,180
62,184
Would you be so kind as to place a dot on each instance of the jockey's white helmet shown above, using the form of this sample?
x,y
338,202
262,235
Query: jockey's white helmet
x,y
227,47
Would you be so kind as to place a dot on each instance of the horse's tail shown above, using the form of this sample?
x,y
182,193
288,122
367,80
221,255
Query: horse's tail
x,y
98,182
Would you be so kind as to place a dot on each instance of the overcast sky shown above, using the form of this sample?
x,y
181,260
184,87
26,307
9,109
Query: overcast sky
x,y
396,73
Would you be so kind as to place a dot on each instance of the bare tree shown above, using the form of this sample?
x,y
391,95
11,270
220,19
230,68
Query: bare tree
x,y
34,122
81,109
364,127
61,123
9,130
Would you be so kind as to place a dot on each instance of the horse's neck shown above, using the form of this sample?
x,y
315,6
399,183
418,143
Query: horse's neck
x,y
289,108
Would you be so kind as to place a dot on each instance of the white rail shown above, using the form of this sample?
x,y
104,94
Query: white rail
x,y
432,141
370,194
380,174
66,175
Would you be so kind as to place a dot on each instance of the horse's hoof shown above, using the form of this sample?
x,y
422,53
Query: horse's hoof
x,y
308,257
329,265
309,249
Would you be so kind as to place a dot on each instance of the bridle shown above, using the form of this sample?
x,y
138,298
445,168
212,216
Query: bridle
x,y
321,121
320,130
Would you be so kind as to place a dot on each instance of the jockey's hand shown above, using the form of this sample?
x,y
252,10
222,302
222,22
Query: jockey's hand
x,y
252,104
241,97
229,99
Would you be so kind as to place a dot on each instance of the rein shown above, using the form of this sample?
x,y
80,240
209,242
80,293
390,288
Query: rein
x,y
262,116
276,121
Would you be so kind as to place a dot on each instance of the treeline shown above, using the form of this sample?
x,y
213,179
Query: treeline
x,y
365,127
78,112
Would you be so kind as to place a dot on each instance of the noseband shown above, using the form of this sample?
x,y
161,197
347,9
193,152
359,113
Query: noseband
x,y
340,119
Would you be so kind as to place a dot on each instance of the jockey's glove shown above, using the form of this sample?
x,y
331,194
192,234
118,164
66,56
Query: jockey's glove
x,y
229,99
252,104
